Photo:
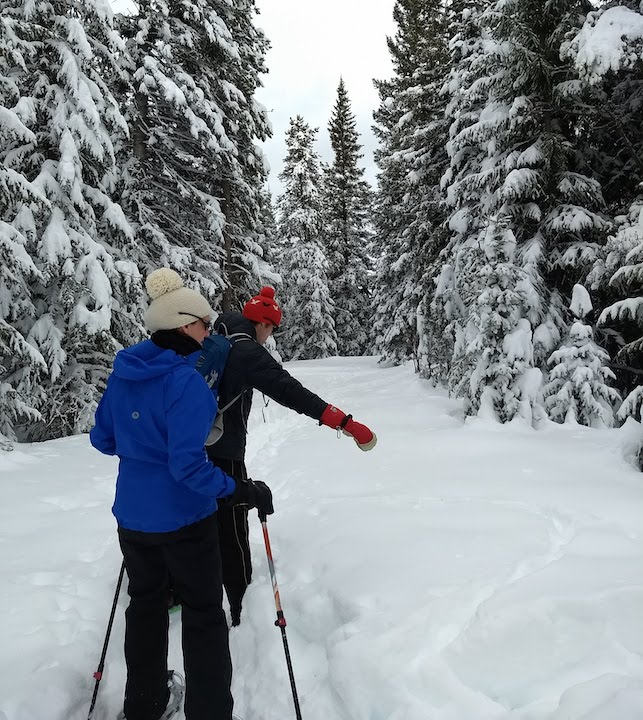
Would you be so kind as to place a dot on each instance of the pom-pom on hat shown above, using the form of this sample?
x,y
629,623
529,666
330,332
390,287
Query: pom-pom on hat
x,y
263,307
173,305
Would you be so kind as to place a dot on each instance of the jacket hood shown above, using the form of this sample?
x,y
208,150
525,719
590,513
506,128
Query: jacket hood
x,y
147,360
235,322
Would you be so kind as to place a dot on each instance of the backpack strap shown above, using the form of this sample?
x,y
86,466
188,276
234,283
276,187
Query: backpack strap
x,y
234,338
220,411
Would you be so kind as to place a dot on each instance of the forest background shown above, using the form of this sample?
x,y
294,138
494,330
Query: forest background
x,y
501,251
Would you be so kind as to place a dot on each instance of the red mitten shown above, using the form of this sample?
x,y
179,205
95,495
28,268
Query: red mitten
x,y
334,418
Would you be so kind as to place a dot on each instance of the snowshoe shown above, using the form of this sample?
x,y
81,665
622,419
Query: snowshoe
x,y
176,684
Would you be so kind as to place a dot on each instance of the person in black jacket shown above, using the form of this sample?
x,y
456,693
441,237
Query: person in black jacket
x,y
249,366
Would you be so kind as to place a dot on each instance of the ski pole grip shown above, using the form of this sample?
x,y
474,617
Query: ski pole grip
x,y
262,516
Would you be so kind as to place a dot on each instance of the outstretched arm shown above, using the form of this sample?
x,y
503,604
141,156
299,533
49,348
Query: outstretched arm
x,y
267,375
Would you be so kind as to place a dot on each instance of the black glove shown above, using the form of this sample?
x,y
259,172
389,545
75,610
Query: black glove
x,y
254,494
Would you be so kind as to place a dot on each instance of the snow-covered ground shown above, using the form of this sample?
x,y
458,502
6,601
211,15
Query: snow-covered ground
x,y
456,572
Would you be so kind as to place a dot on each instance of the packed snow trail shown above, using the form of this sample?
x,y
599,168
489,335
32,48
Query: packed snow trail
x,y
459,571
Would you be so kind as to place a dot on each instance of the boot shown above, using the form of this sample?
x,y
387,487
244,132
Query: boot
x,y
235,614
176,686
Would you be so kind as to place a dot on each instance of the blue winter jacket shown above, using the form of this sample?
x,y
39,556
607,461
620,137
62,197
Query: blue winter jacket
x,y
155,414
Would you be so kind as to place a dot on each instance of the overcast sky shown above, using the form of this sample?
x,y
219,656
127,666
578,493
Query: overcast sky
x,y
312,45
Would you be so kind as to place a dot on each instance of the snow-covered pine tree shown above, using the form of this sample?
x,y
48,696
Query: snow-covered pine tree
x,y
446,310
308,325
578,390
456,293
21,365
514,151
57,58
424,148
243,174
347,231
266,235
503,380
193,173
405,218
615,134
623,268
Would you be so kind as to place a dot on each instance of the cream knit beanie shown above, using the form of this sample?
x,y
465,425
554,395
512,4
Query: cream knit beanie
x,y
173,305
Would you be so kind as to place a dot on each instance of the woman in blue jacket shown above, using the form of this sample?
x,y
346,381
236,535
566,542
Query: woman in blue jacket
x,y
155,415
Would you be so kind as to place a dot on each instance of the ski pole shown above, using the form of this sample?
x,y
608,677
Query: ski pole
x,y
98,675
280,622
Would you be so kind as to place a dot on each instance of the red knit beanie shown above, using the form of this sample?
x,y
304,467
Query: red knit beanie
x,y
263,307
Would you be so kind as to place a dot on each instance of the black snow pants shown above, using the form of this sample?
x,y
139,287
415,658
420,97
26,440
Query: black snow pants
x,y
190,557
234,543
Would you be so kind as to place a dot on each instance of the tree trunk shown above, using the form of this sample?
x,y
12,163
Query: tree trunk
x,y
228,300
139,128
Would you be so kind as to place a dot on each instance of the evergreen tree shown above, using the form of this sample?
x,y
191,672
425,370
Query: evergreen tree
x,y
21,365
446,310
501,350
308,327
621,269
193,175
577,389
467,198
459,261
243,175
615,134
424,148
266,235
514,153
78,309
612,134
411,157
347,233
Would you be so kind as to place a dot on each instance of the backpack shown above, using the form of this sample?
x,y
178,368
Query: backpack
x,y
211,364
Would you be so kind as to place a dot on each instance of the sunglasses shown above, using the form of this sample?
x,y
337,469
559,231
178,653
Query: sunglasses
x,y
209,326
